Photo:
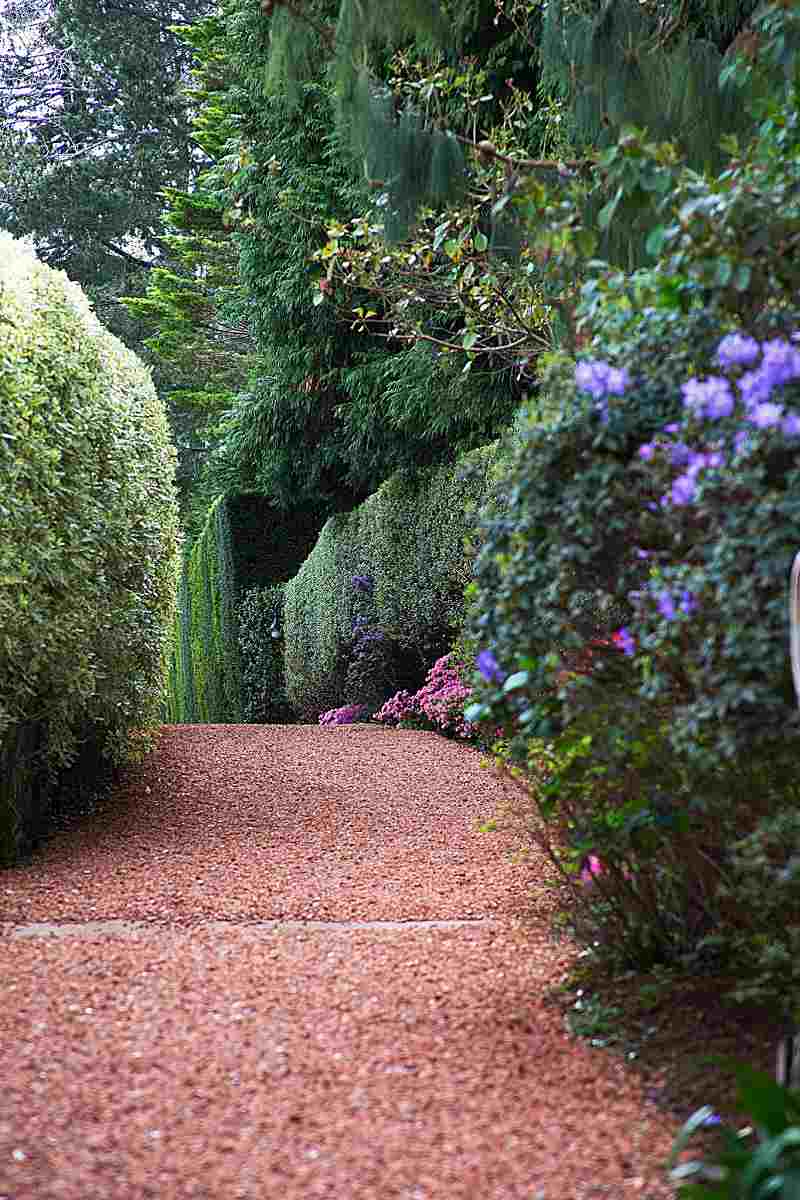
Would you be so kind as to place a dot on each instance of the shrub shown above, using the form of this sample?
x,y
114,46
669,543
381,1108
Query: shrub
x,y
345,644
438,705
244,543
260,625
87,548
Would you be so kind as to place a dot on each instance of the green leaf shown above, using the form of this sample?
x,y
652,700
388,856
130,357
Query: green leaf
x,y
475,712
606,214
655,240
518,680
723,273
469,339
481,242
741,280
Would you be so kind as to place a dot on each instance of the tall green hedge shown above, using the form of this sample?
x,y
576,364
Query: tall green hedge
x,y
408,542
88,541
245,544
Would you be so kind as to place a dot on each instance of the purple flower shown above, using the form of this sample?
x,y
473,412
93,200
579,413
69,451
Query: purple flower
x,y
737,349
710,398
489,667
679,454
765,415
642,553
617,380
666,606
755,387
741,442
781,361
647,451
673,427
600,378
790,426
682,490
624,640
363,583
688,603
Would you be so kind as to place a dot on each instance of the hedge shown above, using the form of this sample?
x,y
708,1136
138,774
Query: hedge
x,y
385,581
87,544
245,544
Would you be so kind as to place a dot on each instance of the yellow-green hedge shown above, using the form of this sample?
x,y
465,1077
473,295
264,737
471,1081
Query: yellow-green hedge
x,y
88,541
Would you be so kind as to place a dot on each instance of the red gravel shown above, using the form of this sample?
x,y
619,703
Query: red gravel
x,y
161,1038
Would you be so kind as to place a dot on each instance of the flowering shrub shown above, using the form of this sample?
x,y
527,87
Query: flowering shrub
x,y
438,705
348,714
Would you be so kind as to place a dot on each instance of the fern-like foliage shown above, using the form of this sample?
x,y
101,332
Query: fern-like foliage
x,y
655,65
406,160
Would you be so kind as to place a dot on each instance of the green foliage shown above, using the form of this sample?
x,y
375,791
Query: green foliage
x,y
762,1160
109,128
408,538
655,64
92,529
260,621
761,901
245,545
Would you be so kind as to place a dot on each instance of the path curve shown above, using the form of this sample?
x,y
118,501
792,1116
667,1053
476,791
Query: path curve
x,y
284,963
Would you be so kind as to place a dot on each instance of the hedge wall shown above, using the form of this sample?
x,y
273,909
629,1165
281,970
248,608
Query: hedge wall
x,y
395,570
245,543
87,548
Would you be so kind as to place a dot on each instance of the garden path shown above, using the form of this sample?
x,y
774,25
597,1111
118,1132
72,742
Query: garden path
x,y
282,961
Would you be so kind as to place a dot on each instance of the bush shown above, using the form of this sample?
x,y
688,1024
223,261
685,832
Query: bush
x,y
87,548
438,705
260,623
658,505
244,543
348,644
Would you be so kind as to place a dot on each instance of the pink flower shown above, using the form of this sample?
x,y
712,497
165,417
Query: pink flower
x,y
591,867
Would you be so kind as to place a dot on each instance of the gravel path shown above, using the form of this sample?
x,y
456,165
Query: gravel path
x,y
283,963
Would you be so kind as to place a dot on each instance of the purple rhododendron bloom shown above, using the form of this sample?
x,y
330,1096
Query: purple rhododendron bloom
x,y
600,378
682,491
647,451
673,427
642,553
688,603
666,606
489,667
625,641
781,361
755,387
591,376
766,415
617,380
737,349
679,454
790,426
710,398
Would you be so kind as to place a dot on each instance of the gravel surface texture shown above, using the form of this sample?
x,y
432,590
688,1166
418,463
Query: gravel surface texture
x,y
283,962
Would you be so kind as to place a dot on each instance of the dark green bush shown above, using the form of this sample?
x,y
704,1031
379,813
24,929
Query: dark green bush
x,y
641,509
245,542
408,539
260,622
87,543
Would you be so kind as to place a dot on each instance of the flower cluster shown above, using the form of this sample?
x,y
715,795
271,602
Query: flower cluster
x,y
439,703
346,715
751,398
601,380
364,584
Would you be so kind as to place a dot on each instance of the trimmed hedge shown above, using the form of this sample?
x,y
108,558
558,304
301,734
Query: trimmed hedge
x,y
244,543
394,568
88,544
261,654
